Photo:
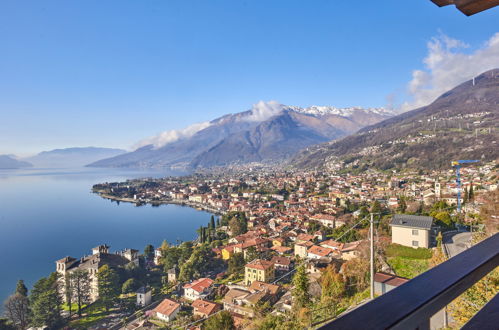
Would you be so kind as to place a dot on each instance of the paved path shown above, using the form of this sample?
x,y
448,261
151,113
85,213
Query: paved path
x,y
456,242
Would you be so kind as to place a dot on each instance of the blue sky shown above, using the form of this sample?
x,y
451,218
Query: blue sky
x,y
110,73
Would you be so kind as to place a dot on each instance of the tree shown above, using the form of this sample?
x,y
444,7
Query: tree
x,y
212,222
238,225
443,217
21,288
45,302
356,271
333,286
236,263
376,207
107,281
252,254
149,251
471,193
220,321
402,207
68,293
300,288
199,263
129,286
218,222
81,287
6,324
17,310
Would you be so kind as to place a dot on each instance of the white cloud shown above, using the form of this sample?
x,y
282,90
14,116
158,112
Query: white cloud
x,y
166,137
264,110
446,66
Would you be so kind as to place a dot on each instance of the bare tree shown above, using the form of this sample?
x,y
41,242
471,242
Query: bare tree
x,y
17,310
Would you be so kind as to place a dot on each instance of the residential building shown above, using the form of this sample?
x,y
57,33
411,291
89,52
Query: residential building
x,y
412,230
204,308
144,296
199,289
167,310
258,270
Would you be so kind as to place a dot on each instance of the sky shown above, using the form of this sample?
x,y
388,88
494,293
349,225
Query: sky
x,y
112,73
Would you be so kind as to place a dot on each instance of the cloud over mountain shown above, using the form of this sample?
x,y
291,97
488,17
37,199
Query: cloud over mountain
x,y
262,111
447,64
166,137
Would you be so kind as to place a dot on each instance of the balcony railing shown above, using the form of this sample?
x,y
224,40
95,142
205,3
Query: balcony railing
x,y
411,305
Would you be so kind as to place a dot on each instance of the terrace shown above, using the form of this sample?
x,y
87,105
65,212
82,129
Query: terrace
x,y
410,306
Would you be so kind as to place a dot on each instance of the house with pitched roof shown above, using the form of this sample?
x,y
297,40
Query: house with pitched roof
x,y
258,270
205,308
412,230
167,310
199,289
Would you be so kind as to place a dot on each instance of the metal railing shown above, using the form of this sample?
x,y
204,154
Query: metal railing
x,y
411,305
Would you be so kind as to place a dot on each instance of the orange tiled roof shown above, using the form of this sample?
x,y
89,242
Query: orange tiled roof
x,y
260,264
199,285
167,307
204,306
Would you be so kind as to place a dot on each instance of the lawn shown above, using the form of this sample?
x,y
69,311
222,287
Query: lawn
x,y
408,267
93,314
406,261
396,250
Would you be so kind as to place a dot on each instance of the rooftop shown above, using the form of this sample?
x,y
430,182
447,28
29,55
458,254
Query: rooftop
x,y
412,221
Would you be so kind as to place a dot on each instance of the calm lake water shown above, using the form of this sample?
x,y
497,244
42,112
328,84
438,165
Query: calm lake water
x,y
46,215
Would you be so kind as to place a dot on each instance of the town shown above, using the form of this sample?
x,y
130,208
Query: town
x,y
283,247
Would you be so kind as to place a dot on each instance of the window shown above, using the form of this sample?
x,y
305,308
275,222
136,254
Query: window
x,y
415,243
415,232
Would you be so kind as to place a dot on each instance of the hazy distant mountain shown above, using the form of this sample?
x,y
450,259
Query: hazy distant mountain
x,y
460,124
8,162
72,157
268,132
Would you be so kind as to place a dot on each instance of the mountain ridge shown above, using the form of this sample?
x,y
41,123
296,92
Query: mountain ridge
x,y
251,135
461,123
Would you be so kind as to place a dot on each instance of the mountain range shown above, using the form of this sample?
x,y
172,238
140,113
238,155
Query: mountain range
x,y
71,157
9,162
460,124
269,132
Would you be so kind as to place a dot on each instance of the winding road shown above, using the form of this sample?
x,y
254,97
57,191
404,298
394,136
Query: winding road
x,y
456,242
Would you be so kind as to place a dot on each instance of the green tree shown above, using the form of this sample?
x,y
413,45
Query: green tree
x,y
201,261
6,324
218,222
220,321
21,288
471,193
129,286
300,288
238,225
107,281
402,205
376,207
81,288
252,254
236,263
443,218
212,222
149,251
68,293
45,302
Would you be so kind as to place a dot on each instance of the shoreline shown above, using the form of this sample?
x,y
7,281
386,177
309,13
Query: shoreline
x,y
195,205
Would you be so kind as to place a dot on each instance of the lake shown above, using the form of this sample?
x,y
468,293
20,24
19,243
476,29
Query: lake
x,y
47,214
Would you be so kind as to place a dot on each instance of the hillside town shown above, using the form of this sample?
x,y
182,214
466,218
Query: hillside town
x,y
281,242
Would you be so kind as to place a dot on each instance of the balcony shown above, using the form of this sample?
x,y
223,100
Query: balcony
x,y
410,306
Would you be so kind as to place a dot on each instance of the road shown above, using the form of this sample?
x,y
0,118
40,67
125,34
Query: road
x,y
456,242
